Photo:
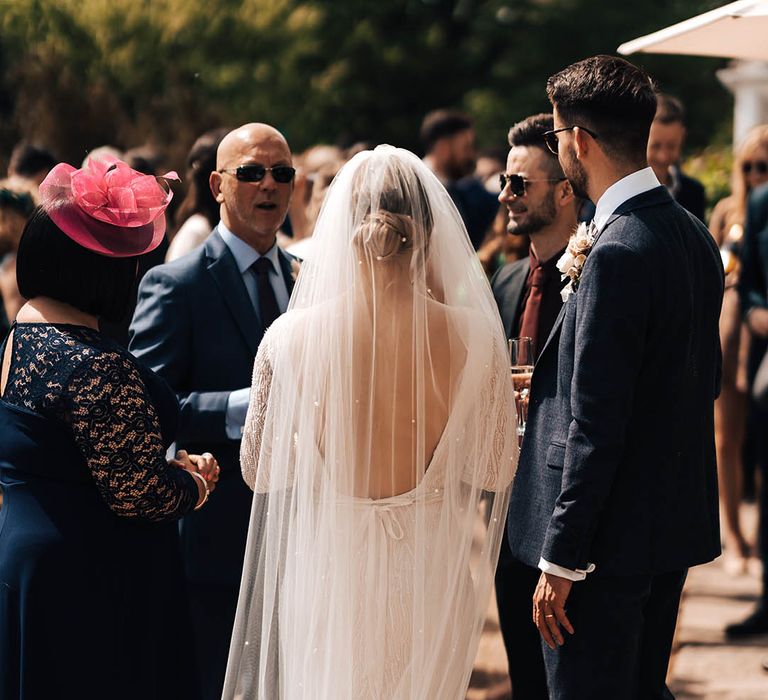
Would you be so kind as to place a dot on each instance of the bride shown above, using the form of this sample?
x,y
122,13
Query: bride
x,y
380,444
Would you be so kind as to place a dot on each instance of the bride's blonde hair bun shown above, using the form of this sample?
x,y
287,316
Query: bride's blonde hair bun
x,y
385,234
393,209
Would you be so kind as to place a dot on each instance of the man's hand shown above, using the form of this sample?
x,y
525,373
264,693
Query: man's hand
x,y
549,608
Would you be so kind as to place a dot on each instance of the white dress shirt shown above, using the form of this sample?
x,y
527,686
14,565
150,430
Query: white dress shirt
x,y
245,256
619,192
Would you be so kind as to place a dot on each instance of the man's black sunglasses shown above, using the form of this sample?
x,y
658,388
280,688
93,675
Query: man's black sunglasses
x,y
256,173
550,137
517,182
760,167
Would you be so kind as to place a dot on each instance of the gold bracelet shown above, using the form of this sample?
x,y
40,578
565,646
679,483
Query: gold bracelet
x,y
197,475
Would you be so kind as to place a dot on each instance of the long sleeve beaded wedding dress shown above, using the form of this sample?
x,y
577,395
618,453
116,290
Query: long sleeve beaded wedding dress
x,y
380,445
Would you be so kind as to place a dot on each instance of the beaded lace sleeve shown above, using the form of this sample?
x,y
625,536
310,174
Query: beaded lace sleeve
x,y
253,431
496,406
116,428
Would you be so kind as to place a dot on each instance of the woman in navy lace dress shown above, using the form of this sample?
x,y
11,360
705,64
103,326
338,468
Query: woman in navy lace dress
x,y
92,599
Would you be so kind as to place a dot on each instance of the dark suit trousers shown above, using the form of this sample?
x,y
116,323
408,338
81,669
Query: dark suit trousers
x,y
623,637
515,584
213,611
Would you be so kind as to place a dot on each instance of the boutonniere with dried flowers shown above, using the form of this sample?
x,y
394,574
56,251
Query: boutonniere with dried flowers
x,y
295,268
571,262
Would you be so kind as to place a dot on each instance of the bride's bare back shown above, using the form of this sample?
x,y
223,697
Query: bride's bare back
x,y
392,449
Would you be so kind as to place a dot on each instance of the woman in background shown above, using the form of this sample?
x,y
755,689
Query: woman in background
x,y
750,169
199,211
18,197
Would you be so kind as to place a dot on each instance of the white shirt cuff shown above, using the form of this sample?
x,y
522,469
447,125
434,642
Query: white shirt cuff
x,y
237,408
562,572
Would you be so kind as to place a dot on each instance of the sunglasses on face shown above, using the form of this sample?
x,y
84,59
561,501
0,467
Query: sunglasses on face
x,y
550,137
759,166
256,173
517,182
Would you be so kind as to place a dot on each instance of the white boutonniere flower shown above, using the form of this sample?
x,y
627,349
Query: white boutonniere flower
x,y
572,261
295,268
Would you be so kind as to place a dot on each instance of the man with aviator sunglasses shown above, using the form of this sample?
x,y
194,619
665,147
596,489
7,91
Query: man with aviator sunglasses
x,y
541,204
198,324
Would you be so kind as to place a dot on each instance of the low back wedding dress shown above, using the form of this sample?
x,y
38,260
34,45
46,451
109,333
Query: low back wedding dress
x,y
380,444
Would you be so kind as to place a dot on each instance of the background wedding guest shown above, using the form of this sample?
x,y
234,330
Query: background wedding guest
x,y
18,197
317,168
541,204
665,147
754,303
90,570
198,324
750,170
31,161
198,213
448,138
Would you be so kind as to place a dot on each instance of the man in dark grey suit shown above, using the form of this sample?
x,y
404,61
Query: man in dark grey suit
x,y
540,204
616,491
198,324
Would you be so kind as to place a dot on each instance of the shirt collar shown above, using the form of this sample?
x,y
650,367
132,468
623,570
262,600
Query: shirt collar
x,y
619,192
244,254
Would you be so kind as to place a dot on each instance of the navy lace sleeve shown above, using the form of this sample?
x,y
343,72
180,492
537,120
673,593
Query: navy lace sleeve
x,y
115,425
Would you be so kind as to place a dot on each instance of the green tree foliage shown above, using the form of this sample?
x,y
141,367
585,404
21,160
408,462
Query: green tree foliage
x,y
76,74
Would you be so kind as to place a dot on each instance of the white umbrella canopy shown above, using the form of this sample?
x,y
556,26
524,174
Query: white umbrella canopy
x,y
736,30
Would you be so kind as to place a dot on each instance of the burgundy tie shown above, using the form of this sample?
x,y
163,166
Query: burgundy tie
x,y
529,323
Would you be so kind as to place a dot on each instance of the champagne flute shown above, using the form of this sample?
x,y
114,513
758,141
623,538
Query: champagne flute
x,y
521,358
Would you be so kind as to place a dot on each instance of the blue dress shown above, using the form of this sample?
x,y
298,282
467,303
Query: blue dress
x,y
92,596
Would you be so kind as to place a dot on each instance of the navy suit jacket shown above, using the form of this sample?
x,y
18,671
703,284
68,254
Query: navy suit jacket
x,y
618,462
196,327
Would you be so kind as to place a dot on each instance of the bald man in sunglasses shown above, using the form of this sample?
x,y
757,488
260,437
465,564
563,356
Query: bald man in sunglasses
x,y
541,205
198,324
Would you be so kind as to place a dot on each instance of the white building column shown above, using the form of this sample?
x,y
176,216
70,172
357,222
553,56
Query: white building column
x,y
748,81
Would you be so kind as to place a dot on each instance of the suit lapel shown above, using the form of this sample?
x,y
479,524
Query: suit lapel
x,y
223,268
554,332
512,298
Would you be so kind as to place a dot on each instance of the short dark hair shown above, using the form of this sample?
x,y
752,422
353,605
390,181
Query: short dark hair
x,y
201,162
28,159
441,124
51,264
610,96
669,110
530,132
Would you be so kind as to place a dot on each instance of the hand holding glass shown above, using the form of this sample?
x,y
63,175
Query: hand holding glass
x,y
521,357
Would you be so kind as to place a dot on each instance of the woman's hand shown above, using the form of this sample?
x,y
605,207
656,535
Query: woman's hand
x,y
205,465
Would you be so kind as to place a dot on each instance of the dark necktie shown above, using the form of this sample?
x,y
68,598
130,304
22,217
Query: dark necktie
x,y
268,308
529,324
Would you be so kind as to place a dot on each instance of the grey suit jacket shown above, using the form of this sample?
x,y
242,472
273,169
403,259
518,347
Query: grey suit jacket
x,y
618,462
508,285
196,327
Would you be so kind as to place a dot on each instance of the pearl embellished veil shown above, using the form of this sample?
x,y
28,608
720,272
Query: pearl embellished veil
x,y
380,444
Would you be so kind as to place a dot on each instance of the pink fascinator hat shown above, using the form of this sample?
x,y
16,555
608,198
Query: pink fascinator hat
x,y
108,207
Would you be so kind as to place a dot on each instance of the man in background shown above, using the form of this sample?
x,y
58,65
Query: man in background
x,y
541,205
449,146
665,147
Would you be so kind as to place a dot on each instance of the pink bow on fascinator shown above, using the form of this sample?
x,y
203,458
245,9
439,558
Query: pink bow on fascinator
x,y
108,207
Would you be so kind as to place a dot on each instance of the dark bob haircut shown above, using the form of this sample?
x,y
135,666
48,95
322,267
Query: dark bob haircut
x,y
51,264
610,96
